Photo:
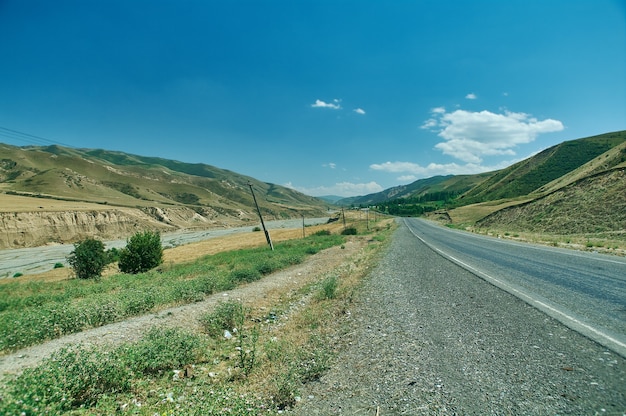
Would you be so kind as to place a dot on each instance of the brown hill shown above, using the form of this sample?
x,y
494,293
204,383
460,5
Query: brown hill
x,y
61,195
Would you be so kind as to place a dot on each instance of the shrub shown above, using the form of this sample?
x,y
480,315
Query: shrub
x,y
113,255
349,231
71,378
245,275
143,252
163,349
321,233
58,265
226,316
88,259
329,288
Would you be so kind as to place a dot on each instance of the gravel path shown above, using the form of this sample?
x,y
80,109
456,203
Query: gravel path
x,y
428,337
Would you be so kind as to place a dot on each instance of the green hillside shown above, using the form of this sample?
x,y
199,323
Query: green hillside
x,y
529,175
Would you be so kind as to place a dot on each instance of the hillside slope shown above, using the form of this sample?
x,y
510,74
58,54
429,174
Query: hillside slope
x,y
531,174
595,204
450,183
126,193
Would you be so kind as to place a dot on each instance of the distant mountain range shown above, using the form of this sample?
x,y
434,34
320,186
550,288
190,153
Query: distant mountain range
x,y
520,179
117,179
584,181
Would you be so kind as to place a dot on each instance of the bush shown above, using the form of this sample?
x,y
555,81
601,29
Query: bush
x,y
58,265
88,259
321,233
163,349
329,288
143,252
226,316
71,378
349,231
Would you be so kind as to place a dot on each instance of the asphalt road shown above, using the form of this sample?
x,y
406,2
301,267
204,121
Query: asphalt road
x,y
41,259
585,291
425,336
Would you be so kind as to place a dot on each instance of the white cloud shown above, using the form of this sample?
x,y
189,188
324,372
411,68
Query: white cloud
x,y
469,136
471,96
335,105
359,111
413,171
330,165
344,189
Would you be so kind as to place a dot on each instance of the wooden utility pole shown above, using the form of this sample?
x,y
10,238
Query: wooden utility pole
x,y
267,234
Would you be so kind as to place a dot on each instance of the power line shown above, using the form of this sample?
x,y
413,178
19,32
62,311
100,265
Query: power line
x,y
28,138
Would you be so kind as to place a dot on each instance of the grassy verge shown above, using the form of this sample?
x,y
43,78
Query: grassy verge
x,y
33,312
606,243
245,361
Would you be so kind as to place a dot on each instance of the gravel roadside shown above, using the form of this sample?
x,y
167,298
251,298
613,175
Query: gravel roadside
x,y
428,337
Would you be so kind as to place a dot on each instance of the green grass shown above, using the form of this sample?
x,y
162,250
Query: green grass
x,y
259,371
33,312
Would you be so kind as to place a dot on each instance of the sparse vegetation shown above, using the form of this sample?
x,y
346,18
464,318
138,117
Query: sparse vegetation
x,y
170,371
33,312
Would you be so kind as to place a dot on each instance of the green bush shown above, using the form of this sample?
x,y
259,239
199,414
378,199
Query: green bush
x,y
143,252
226,316
349,231
88,259
163,349
321,233
58,265
71,378
329,288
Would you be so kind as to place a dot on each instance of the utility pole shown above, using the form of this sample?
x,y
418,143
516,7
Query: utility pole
x,y
267,234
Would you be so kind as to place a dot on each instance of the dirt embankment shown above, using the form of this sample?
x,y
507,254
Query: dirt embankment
x,y
36,228
36,221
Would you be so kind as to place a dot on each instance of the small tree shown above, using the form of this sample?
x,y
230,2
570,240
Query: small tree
x,y
88,259
143,252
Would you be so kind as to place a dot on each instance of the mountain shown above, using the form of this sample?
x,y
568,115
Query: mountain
x,y
578,186
437,184
144,191
121,179
530,175
331,199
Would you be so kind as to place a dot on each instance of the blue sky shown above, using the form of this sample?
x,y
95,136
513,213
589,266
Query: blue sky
x,y
328,97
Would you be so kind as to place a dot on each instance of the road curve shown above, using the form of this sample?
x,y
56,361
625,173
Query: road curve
x,y
585,291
